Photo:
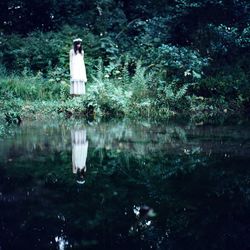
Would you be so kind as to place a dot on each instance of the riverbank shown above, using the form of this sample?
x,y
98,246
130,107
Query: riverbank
x,y
36,97
201,111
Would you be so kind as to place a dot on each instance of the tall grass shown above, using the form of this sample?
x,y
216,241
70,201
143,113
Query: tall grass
x,y
31,87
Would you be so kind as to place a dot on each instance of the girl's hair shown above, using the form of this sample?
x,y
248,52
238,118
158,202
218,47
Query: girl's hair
x,y
75,47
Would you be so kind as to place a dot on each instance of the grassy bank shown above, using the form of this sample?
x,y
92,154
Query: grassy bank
x,y
33,97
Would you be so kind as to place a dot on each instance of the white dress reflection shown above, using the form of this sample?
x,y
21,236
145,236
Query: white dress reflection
x,y
79,153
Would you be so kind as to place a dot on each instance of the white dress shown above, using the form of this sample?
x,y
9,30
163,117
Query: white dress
x,y
79,150
77,73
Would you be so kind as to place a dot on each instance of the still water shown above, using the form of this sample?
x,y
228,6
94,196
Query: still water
x,y
124,185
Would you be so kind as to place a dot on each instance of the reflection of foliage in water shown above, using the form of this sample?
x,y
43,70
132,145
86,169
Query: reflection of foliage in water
x,y
198,197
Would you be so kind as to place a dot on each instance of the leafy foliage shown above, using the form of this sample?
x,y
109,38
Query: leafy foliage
x,y
140,56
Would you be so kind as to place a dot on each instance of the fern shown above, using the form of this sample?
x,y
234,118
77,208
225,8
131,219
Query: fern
x,y
169,93
125,72
139,76
181,92
100,73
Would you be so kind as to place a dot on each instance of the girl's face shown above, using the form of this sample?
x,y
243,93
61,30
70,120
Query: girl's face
x,y
78,45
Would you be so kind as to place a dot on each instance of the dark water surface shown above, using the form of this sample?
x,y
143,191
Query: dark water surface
x,y
124,185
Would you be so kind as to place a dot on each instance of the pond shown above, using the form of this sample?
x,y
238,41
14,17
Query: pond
x,y
125,185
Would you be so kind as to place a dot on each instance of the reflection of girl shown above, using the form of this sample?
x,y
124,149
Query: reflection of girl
x,y
77,68
79,153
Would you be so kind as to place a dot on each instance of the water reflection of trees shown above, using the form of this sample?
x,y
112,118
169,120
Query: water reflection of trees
x,y
201,199
137,139
141,138
146,138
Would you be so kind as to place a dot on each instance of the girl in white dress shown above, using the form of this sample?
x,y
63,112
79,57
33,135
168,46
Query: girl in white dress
x,y
77,68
